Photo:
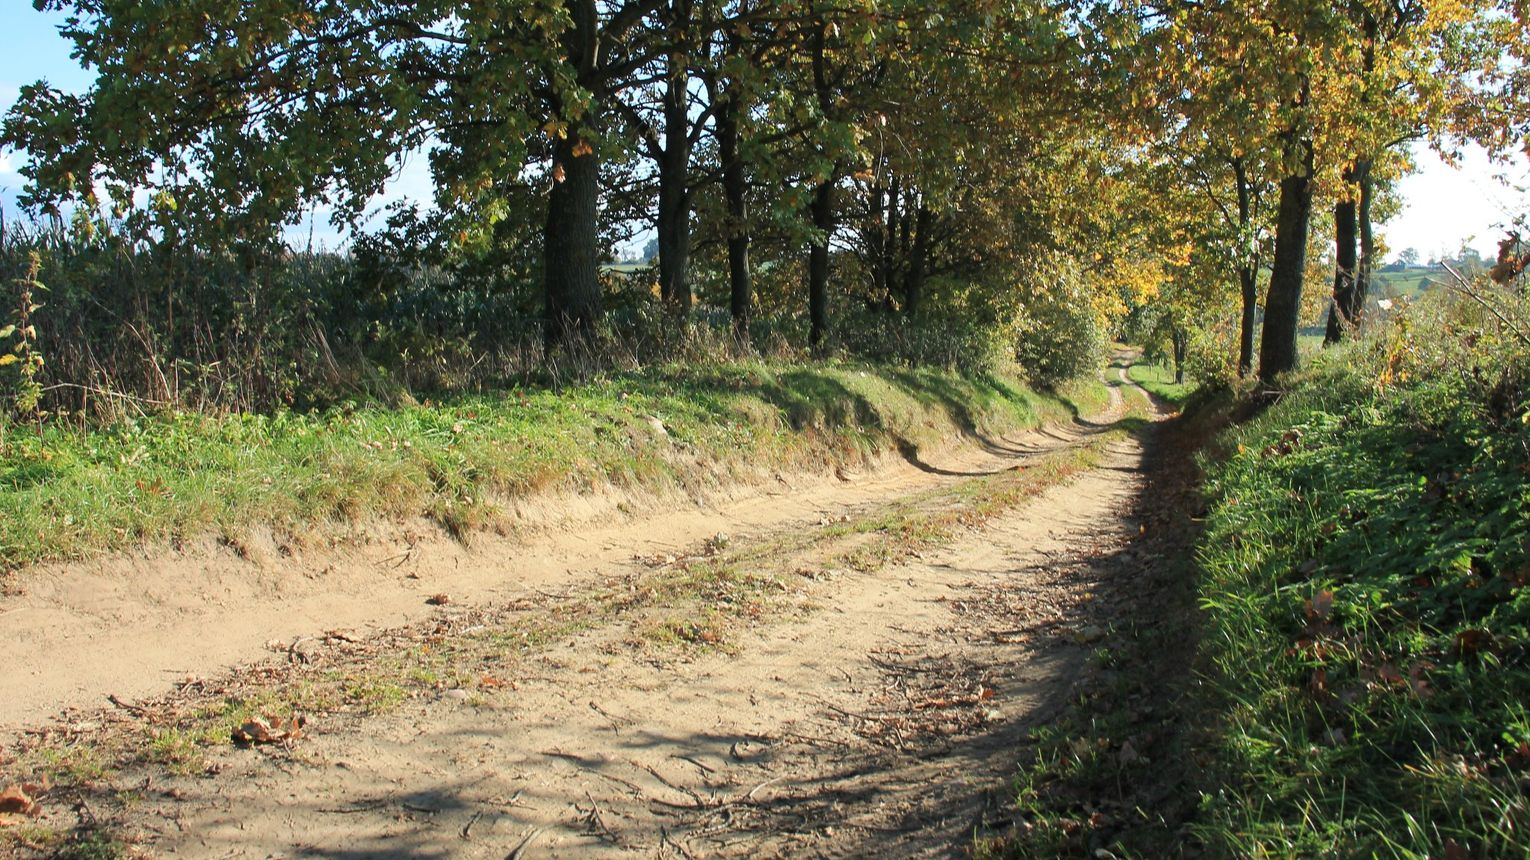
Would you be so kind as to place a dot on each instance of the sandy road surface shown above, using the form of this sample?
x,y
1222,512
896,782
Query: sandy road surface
x,y
883,715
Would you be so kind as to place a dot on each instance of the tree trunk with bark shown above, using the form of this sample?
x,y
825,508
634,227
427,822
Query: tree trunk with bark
x,y
674,221
570,251
913,282
572,273
1248,271
1346,253
1367,261
1248,282
1181,339
736,190
1283,302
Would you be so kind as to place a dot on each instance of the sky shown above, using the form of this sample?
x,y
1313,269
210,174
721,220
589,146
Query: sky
x,y
1444,206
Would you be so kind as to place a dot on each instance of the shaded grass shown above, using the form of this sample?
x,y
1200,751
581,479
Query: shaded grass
x,y
68,493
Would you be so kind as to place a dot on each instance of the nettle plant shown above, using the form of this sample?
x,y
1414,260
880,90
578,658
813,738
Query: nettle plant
x,y
18,340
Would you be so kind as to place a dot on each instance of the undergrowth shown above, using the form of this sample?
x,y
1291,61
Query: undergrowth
x,y
1364,570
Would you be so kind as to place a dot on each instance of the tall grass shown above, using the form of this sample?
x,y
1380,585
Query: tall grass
x,y
131,328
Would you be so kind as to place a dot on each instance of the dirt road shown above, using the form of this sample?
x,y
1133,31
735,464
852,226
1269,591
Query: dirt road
x,y
854,667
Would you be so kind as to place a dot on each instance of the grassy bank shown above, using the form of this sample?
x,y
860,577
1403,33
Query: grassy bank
x,y
1363,574
69,493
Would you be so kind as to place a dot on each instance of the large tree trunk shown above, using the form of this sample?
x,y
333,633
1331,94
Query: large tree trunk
x,y
572,273
674,227
1248,271
1352,281
736,190
570,249
1367,239
818,265
913,282
1346,255
1283,303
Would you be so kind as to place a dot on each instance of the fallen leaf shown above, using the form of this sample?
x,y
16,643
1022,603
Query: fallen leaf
x,y
16,800
269,730
438,599
1320,605
1470,642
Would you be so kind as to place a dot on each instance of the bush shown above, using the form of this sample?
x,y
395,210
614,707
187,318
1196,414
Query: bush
x,y
1060,337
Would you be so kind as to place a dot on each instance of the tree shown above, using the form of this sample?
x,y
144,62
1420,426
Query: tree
x,y
241,121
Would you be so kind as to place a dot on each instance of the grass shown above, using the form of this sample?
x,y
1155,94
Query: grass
x,y
1159,381
1364,575
71,493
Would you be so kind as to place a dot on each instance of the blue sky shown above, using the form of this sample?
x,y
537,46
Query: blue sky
x,y
1445,206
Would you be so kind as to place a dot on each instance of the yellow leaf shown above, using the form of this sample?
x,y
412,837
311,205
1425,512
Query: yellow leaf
x,y
557,173
581,149
8,358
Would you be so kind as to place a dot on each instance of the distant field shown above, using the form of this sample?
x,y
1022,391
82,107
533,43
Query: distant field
x,y
1408,282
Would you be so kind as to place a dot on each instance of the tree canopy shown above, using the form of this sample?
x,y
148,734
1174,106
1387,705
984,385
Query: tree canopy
x,y
997,161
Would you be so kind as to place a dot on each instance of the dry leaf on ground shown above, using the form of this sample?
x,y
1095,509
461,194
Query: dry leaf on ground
x,y
270,730
16,800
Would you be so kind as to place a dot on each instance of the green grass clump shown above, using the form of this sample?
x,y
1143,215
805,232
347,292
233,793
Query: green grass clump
x,y
1365,570
67,493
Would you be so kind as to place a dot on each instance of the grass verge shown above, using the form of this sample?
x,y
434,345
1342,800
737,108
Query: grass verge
x,y
1364,575
69,493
